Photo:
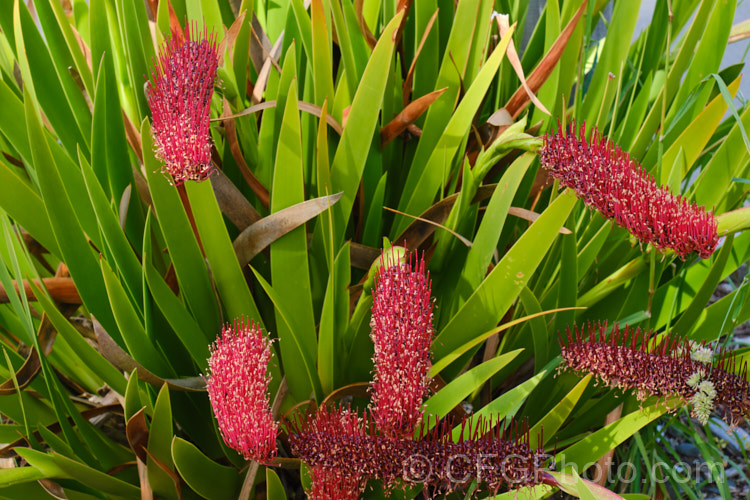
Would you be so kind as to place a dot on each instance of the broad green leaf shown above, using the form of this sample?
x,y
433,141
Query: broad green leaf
x,y
539,335
179,318
125,259
333,321
93,478
160,446
615,51
349,162
321,56
85,352
447,398
499,289
274,488
554,419
42,81
131,326
74,247
203,475
695,137
507,404
303,345
423,181
644,138
189,265
26,207
230,282
488,234
591,448
289,262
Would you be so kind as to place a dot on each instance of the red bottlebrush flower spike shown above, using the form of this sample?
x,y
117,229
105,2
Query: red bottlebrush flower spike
x,y
237,386
607,179
180,98
635,359
402,333
339,441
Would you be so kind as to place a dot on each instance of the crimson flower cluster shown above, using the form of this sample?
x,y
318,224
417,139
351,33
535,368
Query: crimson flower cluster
x,y
608,180
237,386
344,448
342,442
179,96
634,359
402,334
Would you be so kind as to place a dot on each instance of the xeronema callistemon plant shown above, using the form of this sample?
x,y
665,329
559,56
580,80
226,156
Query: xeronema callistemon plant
x,y
608,180
662,366
346,449
179,96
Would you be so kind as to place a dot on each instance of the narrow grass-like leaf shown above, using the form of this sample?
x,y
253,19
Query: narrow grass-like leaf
x,y
333,321
499,289
231,284
447,398
349,162
423,181
554,419
73,244
189,266
307,347
160,446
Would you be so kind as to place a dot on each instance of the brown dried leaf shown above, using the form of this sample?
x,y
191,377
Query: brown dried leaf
x,y
232,202
504,26
531,217
267,230
234,146
122,360
520,98
408,116
369,37
231,36
137,432
302,105
61,290
260,45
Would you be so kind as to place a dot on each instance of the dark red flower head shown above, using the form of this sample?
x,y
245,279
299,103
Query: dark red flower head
x,y
639,360
237,385
350,447
402,333
180,98
607,179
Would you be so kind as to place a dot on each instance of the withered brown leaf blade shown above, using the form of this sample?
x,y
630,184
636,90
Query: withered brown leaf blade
x,y
62,290
234,146
302,105
409,115
267,230
531,217
520,98
122,360
232,202
136,431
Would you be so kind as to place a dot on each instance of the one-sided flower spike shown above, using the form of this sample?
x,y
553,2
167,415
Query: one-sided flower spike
x,y
608,180
402,333
237,385
350,447
324,441
179,96
633,359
